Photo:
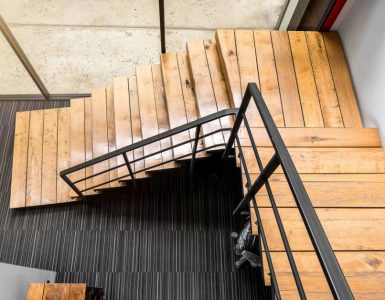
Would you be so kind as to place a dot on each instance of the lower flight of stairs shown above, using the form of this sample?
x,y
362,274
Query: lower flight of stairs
x,y
304,79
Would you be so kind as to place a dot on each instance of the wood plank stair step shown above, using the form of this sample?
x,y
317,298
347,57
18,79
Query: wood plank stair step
x,y
363,271
152,114
325,160
317,137
208,80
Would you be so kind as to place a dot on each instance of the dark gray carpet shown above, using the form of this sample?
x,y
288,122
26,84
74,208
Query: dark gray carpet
x,y
161,243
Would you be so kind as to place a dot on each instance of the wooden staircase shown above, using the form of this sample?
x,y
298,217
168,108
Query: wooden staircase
x,y
304,79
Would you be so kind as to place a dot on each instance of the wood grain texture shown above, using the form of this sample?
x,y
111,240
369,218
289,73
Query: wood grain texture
x,y
35,158
328,194
305,79
56,291
206,102
49,164
20,160
342,80
122,119
190,100
365,227
63,153
248,70
78,147
35,291
148,114
111,134
324,81
317,137
228,58
88,142
77,291
162,114
136,126
291,103
175,101
268,75
326,160
100,135
219,85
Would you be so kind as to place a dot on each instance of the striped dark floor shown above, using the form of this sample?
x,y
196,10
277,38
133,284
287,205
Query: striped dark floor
x,y
160,243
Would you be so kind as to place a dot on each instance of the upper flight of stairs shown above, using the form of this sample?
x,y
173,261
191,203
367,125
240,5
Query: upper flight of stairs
x,y
305,82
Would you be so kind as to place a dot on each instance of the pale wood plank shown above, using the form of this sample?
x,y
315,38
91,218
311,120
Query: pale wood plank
x,y
228,57
325,160
99,134
365,228
20,160
123,127
111,134
77,291
88,142
148,115
323,78
78,147
291,103
305,79
328,177
328,194
206,102
56,291
342,81
219,85
49,164
317,137
268,75
136,126
175,101
162,114
63,153
35,291
248,70
363,271
190,100
35,158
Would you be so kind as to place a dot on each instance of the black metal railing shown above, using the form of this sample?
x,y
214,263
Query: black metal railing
x,y
332,270
333,273
197,124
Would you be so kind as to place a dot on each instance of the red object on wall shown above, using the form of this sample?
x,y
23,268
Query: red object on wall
x,y
333,14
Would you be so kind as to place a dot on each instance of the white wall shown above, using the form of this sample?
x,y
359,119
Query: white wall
x,y
14,280
362,31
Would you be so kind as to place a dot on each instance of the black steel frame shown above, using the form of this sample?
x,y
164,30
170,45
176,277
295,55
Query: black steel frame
x,y
332,270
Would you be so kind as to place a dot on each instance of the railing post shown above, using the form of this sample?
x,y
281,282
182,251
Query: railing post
x,y
73,186
130,170
194,150
23,58
162,26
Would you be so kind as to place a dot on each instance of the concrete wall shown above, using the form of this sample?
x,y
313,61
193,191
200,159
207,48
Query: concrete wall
x,y
14,280
362,31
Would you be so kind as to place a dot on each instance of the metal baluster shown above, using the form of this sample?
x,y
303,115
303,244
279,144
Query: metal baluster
x,y
130,170
194,150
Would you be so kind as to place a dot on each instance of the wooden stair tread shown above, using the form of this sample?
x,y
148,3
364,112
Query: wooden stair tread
x,y
313,63
363,271
317,137
153,119
325,160
328,194
204,68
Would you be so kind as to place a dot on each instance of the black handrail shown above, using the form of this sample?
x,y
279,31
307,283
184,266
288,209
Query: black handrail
x,y
332,270
333,273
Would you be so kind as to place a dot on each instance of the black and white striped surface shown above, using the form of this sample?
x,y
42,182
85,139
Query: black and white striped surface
x,y
160,243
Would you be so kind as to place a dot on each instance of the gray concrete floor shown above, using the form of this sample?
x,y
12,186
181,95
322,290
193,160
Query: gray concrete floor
x,y
75,45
